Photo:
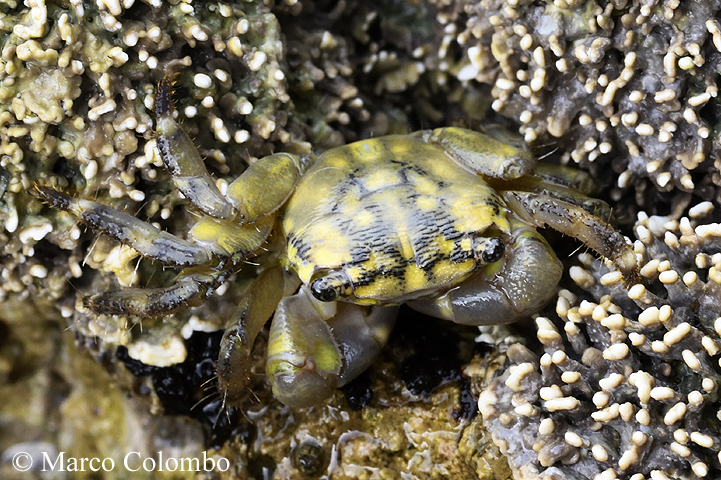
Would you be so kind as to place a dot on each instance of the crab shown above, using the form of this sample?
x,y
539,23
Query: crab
x,y
442,220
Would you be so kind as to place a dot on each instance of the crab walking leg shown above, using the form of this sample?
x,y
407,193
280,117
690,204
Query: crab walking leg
x,y
516,286
554,187
182,159
543,210
265,185
226,238
150,241
260,190
580,180
188,290
315,347
210,237
254,310
495,154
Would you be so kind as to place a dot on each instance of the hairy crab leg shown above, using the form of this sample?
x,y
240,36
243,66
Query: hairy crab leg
x,y
182,159
259,191
150,241
544,186
572,220
564,176
188,291
234,360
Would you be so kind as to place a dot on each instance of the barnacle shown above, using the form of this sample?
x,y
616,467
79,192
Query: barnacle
x,y
626,84
626,385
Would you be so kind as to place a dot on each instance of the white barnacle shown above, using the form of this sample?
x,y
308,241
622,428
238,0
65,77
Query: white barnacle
x,y
677,333
550,393
662,393
547,426
257,61
202,80
617,351
563,403
675,413
613,380
701,439
36,232
644,383
573,439
517,374
691,360
606,414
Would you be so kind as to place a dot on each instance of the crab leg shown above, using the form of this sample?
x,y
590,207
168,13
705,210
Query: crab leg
x,y
254,310
261,189
188,291
182,159
580,180
552,182
210,237
542,210
495,153
306,362
265,185
150,241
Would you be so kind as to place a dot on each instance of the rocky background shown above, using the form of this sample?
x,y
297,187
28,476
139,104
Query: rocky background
x,y
607,383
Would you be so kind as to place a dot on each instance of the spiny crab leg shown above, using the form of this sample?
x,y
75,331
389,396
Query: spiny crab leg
x,y
261,190
183,160
254,310
572,220
147,239
188,291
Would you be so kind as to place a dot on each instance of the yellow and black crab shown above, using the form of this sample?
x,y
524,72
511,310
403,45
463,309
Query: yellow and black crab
x,y
443,220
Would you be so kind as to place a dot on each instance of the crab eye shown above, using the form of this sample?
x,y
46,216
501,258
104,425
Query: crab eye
x,y
492,250
323,290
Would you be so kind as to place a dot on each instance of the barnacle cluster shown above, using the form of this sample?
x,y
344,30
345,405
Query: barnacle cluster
x,y
628,83
627,384
76,98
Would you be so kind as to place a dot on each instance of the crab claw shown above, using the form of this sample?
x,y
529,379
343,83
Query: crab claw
x,y
316,347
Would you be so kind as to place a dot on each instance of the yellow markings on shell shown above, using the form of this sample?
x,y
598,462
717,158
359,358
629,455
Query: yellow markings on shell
x,y
335,250
406,247
400,188
304,270
401,146
426,203
449,271
415,278
445,247
382,287
365,218
469,218
363,151
380,179
424,185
